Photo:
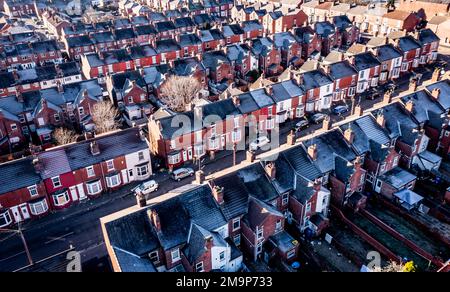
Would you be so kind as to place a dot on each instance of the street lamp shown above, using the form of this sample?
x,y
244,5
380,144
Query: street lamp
x,y
19,231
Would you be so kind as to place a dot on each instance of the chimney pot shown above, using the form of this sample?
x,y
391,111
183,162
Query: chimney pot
x,y
271,170
409,106
435,93
218,194
349,136
312,151
95,149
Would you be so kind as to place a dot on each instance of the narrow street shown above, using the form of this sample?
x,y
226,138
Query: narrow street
x,y
78,226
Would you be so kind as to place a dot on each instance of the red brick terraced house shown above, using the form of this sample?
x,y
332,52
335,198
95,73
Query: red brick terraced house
x,y
15,8
145,34
233,33
268,55
125,37
430,45
218,66
411,50
166,30
329,35
252,29
291,50
211,39
23,197
348,32
86,169
261,222
77,46
391,62
242,59
368,68
104,41
190,44
144,56
187,232
310,42
281,21
168,50
345,78
99,65
222,127
440,141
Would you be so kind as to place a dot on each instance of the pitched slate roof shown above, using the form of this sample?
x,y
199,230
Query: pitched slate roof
x,y
212,59
251,25
176,214
235,196
111,146
365,61
103,37
315,79
190,39
423,104
427,36
304,35
124,34
145,30
342,22
399,123
258,212
388,52
131,263
444,96
324,28
408,43
301,163
186,67
18,174
366,129
169,45
133,233
283,39
197,242
329,145
79,41
286,90
341,70
164,26
232,29
256,183
184,22
398,177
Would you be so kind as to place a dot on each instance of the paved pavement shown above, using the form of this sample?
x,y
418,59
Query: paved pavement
x,y
78,226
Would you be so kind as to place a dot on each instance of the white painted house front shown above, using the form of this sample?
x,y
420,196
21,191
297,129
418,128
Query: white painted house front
x,y
139,166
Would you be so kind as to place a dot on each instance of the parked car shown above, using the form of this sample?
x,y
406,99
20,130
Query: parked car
x,y
318,118
303,123
259,142
181,173
340,109
146,187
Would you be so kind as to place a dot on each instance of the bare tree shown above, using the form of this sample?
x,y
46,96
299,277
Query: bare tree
x,y
64,136
104,116
179,91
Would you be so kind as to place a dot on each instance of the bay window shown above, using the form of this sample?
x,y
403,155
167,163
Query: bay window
x,y
142,170
199,150
61,199
174,158
113,181
94,187
5,218
270,124
38,208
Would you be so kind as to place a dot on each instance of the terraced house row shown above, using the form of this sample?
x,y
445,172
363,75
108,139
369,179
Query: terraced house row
x,y
294,94
56,178
213,225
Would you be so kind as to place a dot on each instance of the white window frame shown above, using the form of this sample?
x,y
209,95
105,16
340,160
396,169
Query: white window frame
x,y
33,190
66,197
141,155
110,165
290,254
174,159
140,172
7,218
113,181
42,207
308,207
175,255
236,220
279,225
154,256
259,232
90,171
56,181
285,199
222,256
199,268
237,239
94,188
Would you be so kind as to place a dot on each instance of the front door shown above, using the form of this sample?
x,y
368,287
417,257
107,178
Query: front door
x,y
81,192
74,194
185,156
16,214
378,186
24,210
